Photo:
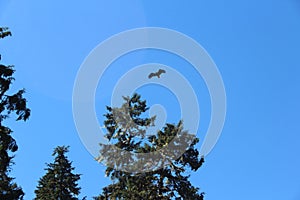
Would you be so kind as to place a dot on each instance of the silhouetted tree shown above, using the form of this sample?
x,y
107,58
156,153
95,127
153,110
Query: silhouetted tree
x,y
9,104
59,183
126,130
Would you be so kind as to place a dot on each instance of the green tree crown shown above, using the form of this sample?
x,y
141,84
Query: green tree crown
x,y
9,104
59,182
126,129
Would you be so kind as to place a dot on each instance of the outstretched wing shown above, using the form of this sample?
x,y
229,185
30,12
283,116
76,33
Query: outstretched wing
x,y
160,71
151,75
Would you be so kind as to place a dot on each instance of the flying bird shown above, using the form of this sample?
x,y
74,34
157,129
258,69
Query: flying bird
x,y
158,73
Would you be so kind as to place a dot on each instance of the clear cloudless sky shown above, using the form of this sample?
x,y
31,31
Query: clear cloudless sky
x,y
255,44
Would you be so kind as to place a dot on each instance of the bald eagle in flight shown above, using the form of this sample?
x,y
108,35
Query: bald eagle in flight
x,y
158,73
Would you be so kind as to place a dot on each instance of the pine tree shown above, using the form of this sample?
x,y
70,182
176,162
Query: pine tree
x,y
9,104
59,183
126,130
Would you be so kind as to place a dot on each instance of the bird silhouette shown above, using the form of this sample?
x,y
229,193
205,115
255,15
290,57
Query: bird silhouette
x,y
158,73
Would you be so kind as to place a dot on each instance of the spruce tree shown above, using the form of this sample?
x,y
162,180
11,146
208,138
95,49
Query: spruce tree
x,y
9,104
59,182
161,182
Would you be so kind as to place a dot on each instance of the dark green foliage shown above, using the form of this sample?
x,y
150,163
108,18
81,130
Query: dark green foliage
x,y
59,182
165,181
4,32
9,104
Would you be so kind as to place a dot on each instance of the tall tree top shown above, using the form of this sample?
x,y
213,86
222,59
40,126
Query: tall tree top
x,y
4,32
60,150
9,104
59,182
126,130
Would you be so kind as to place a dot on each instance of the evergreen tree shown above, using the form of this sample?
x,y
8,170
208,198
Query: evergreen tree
x,y
59,183
9,104
126,130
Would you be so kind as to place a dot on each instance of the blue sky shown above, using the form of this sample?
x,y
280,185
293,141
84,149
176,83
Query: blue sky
x,y
255,45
